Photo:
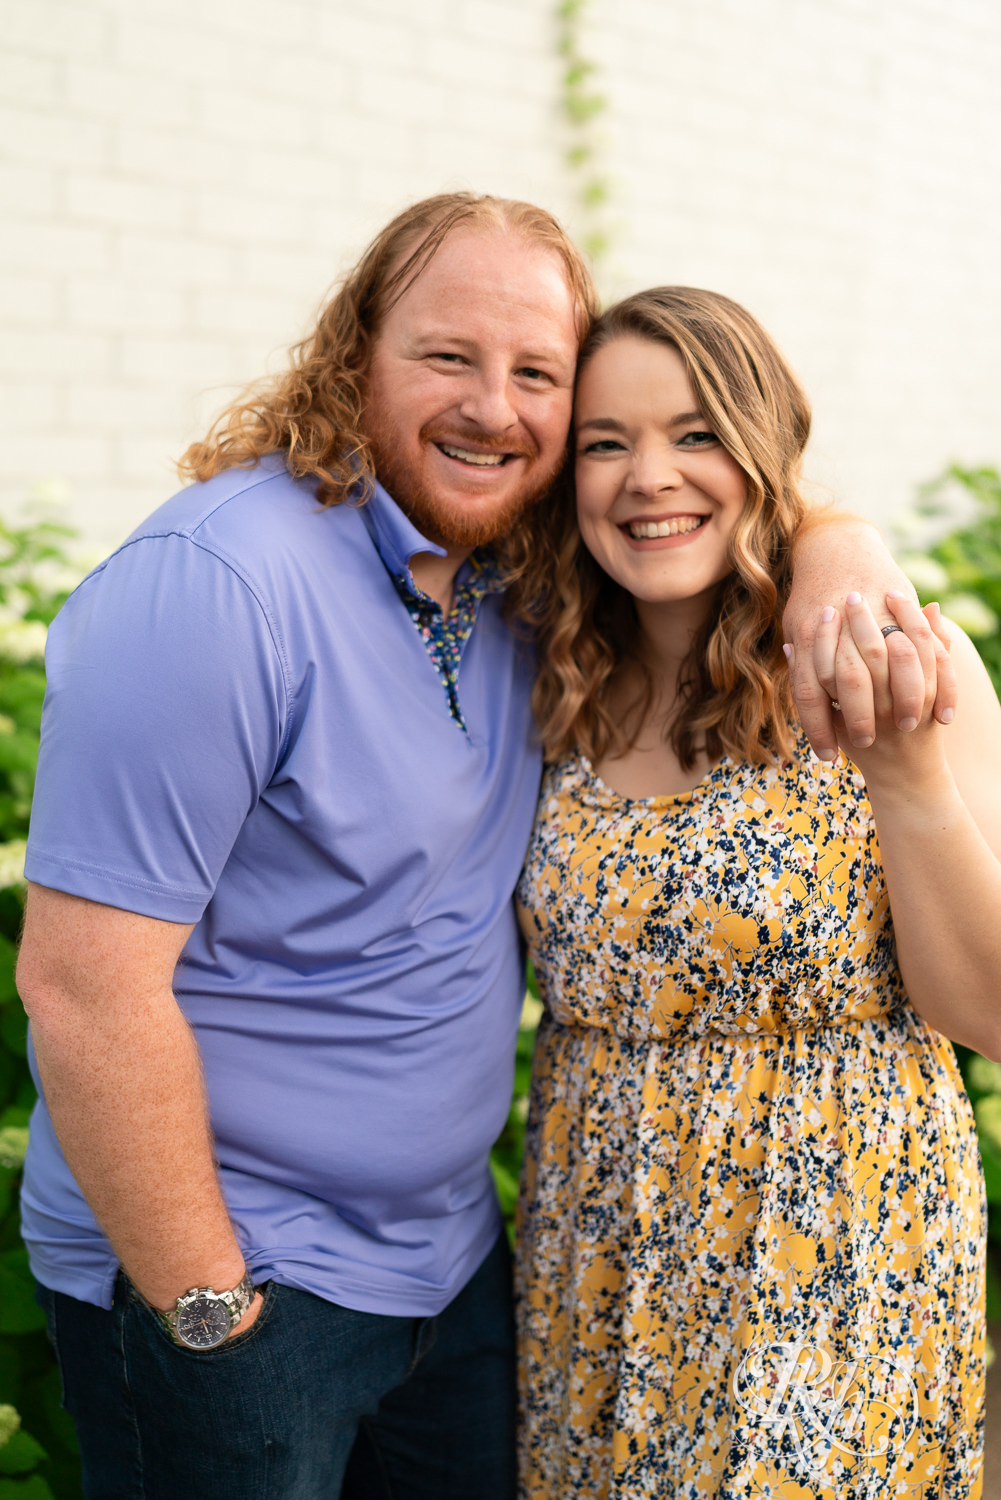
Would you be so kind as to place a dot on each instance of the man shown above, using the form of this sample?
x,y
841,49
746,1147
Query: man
x,y
286,780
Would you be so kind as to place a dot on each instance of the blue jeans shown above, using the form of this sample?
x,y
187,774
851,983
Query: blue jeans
x,y
314,1402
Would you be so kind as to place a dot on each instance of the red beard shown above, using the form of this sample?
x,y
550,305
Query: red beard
x,y
447,523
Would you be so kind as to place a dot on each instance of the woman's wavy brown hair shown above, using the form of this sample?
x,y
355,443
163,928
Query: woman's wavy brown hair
x,y
733,687
313,410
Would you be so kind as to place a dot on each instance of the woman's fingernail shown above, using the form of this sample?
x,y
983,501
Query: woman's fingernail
x,y
863,744
947,715
896,594
826,754
827,614
854,597
907,725
788,651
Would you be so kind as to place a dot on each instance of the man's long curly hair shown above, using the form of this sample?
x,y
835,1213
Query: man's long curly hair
x,y
733,687
312,412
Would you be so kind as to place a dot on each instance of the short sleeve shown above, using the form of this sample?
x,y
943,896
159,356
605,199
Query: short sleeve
x,y
165,713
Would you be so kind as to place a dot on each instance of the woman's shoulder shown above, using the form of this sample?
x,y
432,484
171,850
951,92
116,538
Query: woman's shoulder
x,y
799,781
565,771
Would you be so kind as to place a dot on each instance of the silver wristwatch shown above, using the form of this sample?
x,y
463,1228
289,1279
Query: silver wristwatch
x,y
202,1318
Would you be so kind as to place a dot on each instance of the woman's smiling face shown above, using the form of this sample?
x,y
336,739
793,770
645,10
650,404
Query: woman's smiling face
x,y
658,496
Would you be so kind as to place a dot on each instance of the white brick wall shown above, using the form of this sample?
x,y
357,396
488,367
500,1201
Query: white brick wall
x,y
182,179
833,164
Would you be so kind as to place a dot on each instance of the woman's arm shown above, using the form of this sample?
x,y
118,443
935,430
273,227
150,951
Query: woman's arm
x,y
936,798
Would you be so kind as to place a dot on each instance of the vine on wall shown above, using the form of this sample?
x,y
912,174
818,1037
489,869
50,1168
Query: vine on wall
x,y
581,106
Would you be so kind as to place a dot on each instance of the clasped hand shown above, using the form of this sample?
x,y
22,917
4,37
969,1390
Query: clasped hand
x,y
855,687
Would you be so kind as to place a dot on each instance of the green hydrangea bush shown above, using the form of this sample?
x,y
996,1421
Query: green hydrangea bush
x,y
960,566
38,1455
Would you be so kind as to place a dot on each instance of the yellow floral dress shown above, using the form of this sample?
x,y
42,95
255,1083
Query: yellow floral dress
x,y
751,1243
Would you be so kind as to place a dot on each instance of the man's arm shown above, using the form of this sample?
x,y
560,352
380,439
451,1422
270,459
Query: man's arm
x,y
122,1080
835,554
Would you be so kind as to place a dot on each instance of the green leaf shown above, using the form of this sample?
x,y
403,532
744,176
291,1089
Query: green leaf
x,y
20,1454
48,1389
982,1075
34,1488
987,1111
595,245
14,1029
578,156
19,1312
993,1292
594,193
582,107
991,1163
507,1187
25,1099
9,1070
10,1371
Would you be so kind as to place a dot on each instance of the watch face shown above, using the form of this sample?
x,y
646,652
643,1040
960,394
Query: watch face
x,y
203,1322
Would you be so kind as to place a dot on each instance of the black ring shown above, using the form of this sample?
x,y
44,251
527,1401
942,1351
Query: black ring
x,y
886,630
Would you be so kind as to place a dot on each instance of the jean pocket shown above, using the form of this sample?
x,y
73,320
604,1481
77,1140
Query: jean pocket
x,y
269,1290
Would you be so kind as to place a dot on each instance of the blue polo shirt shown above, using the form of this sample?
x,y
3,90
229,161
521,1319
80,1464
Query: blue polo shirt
x,y
243,729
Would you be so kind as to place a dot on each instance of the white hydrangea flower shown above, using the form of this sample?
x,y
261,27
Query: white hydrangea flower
x,y
23,640
12,862
531,1011
17,604
61,577
10,1422
13,1145
927,575
910,528
971,614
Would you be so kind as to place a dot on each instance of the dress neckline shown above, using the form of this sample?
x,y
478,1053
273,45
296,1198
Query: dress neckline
x,y
663,799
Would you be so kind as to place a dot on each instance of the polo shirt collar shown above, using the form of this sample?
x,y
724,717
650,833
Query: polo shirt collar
x,y
395,536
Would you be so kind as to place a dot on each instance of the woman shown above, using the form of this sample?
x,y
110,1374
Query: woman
x,y
752,1236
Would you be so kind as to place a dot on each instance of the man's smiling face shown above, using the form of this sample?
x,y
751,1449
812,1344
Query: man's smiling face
x,y
470,386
